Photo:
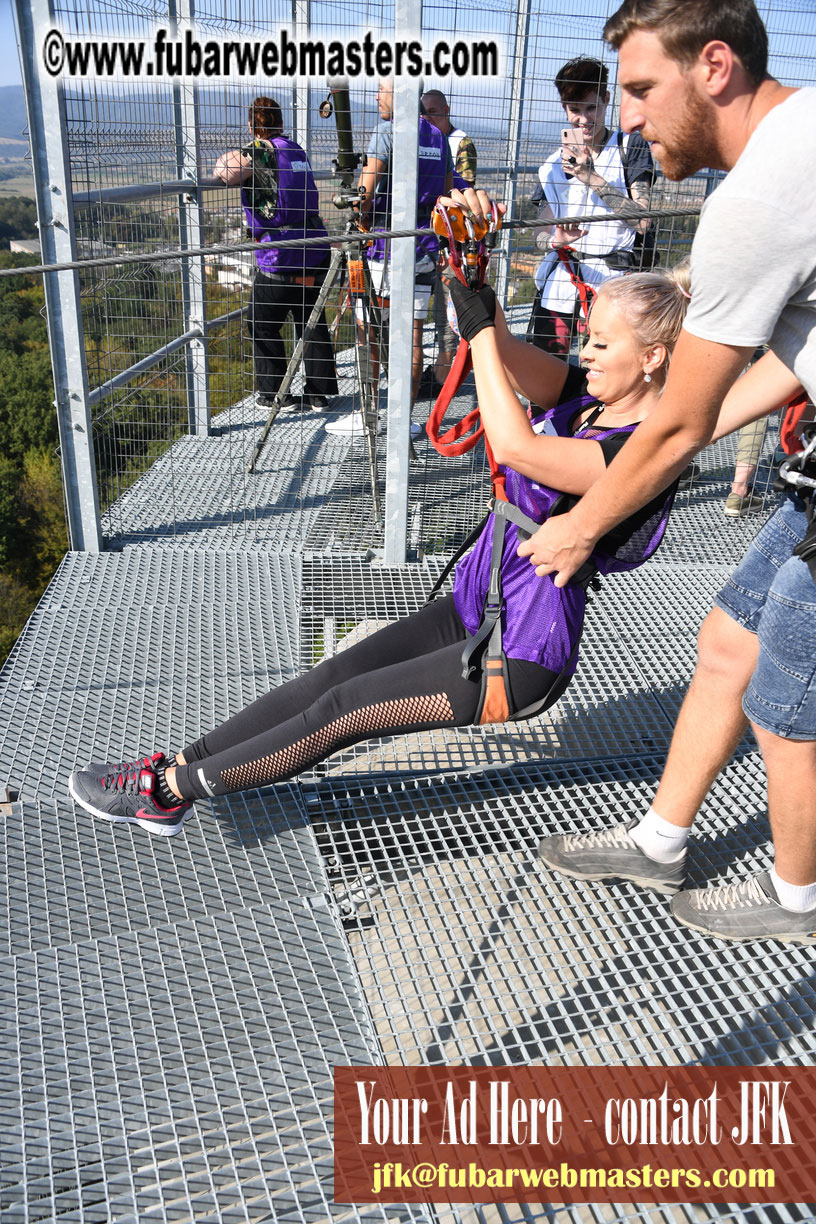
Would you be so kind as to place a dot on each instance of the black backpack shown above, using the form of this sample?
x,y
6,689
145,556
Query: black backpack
x,y
645,255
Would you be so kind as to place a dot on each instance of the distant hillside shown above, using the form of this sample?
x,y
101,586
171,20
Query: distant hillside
x,y
12,112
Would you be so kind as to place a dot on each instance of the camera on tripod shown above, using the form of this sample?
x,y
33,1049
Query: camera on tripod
x,y
348,199
347,160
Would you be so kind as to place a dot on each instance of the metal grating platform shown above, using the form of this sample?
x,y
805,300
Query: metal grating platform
x,y
176,1008
310,491
91,671
68,878
182,1072
470,952
172,1015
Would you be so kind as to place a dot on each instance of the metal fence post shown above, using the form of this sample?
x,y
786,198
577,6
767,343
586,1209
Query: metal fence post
x,y
301,117
517,75
193,275
407,20
52,183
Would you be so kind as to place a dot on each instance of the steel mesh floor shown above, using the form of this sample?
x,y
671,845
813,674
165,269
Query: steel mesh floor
x,y
181,1072
141,649
470,952
311,490
175,1009
172,1013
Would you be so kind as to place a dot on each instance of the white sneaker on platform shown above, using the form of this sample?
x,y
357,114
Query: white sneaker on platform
x,y
349,426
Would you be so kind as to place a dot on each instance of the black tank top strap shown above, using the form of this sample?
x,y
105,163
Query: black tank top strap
x,y
590,420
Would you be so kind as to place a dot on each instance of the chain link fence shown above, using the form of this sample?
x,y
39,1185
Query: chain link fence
x,y
165,342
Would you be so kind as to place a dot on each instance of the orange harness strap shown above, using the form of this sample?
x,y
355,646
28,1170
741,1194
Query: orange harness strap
x,y
586,294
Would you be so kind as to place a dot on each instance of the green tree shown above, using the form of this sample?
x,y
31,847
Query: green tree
x,y
18,219
15,607
27,415
9,511
43,516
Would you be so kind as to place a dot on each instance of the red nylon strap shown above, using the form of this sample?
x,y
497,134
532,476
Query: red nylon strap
x,y
463,435
586,294
788,430
457,440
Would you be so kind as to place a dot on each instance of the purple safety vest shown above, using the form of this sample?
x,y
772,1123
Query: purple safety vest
x,y
296,215
432,173
540,621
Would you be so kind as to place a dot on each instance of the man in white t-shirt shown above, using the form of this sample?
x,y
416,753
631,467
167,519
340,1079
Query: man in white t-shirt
x,y
693,76
604,174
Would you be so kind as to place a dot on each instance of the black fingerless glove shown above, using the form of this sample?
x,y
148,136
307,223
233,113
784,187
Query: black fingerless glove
x,y
475,309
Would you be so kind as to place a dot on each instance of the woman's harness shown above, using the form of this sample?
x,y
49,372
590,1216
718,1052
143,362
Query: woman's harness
x,y
466,249
798,474
484,654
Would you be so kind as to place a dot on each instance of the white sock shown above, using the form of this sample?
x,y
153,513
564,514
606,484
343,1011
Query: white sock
x,y
796,897
661,841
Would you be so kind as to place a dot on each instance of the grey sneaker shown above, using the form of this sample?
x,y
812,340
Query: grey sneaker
x,y
610,854
736,506
128,797
749,910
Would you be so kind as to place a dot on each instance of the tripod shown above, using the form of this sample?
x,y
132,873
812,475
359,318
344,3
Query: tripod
x,y
349,263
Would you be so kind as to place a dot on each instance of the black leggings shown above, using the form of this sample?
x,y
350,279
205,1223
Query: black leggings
x,y
405,678
271,301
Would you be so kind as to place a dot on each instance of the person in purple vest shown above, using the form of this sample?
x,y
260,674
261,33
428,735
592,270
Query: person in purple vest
x,y
422,672
280,201
463,152
435,178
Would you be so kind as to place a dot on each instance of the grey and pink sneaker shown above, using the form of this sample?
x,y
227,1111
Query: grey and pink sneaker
x,y
126,792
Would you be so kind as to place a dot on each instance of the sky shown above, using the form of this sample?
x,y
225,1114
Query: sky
x,y
556,26
9,57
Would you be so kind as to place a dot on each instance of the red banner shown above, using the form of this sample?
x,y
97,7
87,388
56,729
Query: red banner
x,y
575,1134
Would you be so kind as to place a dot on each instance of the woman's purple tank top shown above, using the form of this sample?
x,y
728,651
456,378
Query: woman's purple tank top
x,y
541,622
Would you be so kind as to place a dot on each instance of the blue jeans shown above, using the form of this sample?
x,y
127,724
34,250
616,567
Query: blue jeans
x,y
772,594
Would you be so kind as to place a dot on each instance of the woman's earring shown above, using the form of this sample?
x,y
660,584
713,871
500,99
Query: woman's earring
x,y
647,378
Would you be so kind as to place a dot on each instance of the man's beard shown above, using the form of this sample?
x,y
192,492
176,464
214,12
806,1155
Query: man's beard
x,y
692,148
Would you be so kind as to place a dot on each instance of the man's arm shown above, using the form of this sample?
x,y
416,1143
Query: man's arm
x,y
641,192
624,208
766,386
701,373
371,173
549,237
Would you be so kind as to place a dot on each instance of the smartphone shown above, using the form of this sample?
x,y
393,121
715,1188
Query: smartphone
x,y
572,139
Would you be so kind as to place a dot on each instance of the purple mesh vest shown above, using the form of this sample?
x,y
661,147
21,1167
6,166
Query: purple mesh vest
x,y
432,172
296,215
541,622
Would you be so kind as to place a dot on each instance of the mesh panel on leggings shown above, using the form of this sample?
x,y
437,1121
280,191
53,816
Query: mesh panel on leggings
x,y
407,712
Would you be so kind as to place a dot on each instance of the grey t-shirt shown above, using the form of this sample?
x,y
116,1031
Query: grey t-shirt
x,y
753,262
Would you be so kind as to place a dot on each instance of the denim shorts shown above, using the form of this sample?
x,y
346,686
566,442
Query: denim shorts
x,y
772,594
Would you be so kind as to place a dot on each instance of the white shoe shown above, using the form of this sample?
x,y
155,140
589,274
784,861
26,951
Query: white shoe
x,y
416,429
349,426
